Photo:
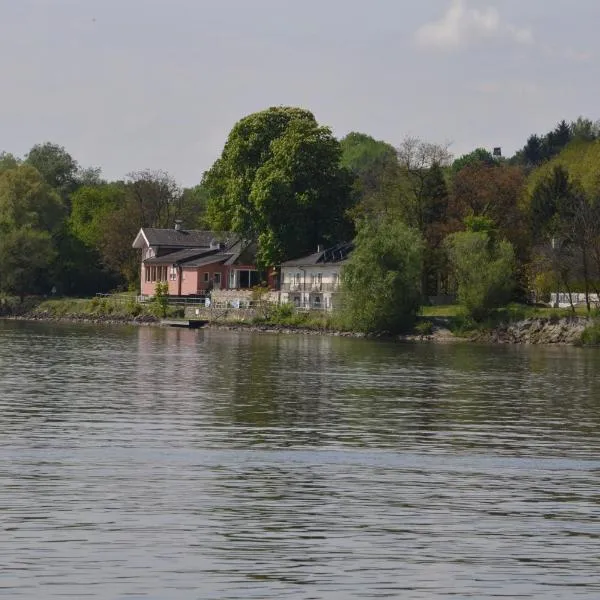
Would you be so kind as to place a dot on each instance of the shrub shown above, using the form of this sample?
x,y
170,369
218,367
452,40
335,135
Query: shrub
x,y
382,278
484,270
590,336
424,328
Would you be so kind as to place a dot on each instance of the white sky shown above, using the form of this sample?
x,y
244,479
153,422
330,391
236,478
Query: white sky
x,y
133,84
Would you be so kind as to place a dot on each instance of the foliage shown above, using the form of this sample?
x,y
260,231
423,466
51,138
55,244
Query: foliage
x,y
25,255
372,162
56,166
484,270
161,298
478,157
27,201
8,161
492,192
590,336
279,181
424,328
381,280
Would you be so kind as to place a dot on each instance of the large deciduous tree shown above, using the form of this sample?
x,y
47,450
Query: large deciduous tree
x,y
26,200
381,280
279,181
56,166
25,256
493,192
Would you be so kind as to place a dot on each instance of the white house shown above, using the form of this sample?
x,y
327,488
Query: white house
x,y
313,281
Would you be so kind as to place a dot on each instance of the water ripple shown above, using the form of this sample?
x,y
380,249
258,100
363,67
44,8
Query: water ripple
x,y
150,463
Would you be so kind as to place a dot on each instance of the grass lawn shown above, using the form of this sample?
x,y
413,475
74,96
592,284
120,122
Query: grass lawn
x,y
512,312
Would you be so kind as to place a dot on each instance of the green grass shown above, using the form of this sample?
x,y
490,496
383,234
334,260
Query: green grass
x,y
591,335
120,306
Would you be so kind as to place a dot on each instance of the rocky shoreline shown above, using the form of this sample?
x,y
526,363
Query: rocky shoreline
x,y
88,319
541,331
564,331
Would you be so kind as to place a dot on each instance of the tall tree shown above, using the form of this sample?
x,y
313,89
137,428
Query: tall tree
x,y
27,201
476,157
493,192
157,197
56,166
416,159
368,159
25,256
279,181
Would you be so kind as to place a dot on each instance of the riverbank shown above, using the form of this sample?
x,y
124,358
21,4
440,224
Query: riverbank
x,y
553,329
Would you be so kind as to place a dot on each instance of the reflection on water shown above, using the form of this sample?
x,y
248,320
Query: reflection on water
x,y
153,463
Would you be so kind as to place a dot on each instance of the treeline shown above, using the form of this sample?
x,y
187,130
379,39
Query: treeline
x,y
426,223
66,230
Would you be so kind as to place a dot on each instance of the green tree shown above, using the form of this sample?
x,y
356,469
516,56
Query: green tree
x,y
27,201
161,298
381,280
8,161
194,203
368,159
279,181
91,206
476,157
483,267
25,255
56,166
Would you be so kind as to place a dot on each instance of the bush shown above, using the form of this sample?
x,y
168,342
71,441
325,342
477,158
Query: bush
x,y
484,270
424,328
161,299
382,278
590,336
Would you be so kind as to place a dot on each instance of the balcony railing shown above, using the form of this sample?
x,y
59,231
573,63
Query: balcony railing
x,y
310,287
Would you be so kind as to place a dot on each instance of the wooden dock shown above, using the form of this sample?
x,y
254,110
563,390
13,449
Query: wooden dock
x,y
183,323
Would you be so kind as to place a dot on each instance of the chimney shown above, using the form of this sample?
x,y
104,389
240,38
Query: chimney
x,y
177,224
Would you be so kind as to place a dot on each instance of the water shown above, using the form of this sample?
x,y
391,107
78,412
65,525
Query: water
x,y
174,464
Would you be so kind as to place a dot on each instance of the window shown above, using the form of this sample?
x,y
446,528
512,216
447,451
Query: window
x,y
206,277
147,274
217,278
173,273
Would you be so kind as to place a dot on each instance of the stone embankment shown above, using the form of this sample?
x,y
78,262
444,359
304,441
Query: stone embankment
x,y
87,318
566,331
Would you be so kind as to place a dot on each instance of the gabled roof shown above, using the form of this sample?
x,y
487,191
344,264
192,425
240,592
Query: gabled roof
x,y
180,256
201,261
333,255
236,253
181,238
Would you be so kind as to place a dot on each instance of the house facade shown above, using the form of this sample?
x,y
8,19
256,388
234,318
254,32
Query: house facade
x,y
194,262
313,281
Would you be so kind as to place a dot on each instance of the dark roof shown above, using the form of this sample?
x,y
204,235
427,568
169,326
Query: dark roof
x,y
179,256
206,260
239,252
335,254
242,253
184,238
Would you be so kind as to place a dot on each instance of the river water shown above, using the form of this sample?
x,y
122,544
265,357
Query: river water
x,y
174,464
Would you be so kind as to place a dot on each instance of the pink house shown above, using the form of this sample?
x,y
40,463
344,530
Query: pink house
x,y
195,262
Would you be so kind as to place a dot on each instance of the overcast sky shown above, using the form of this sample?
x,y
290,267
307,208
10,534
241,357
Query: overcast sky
x,y
133,84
